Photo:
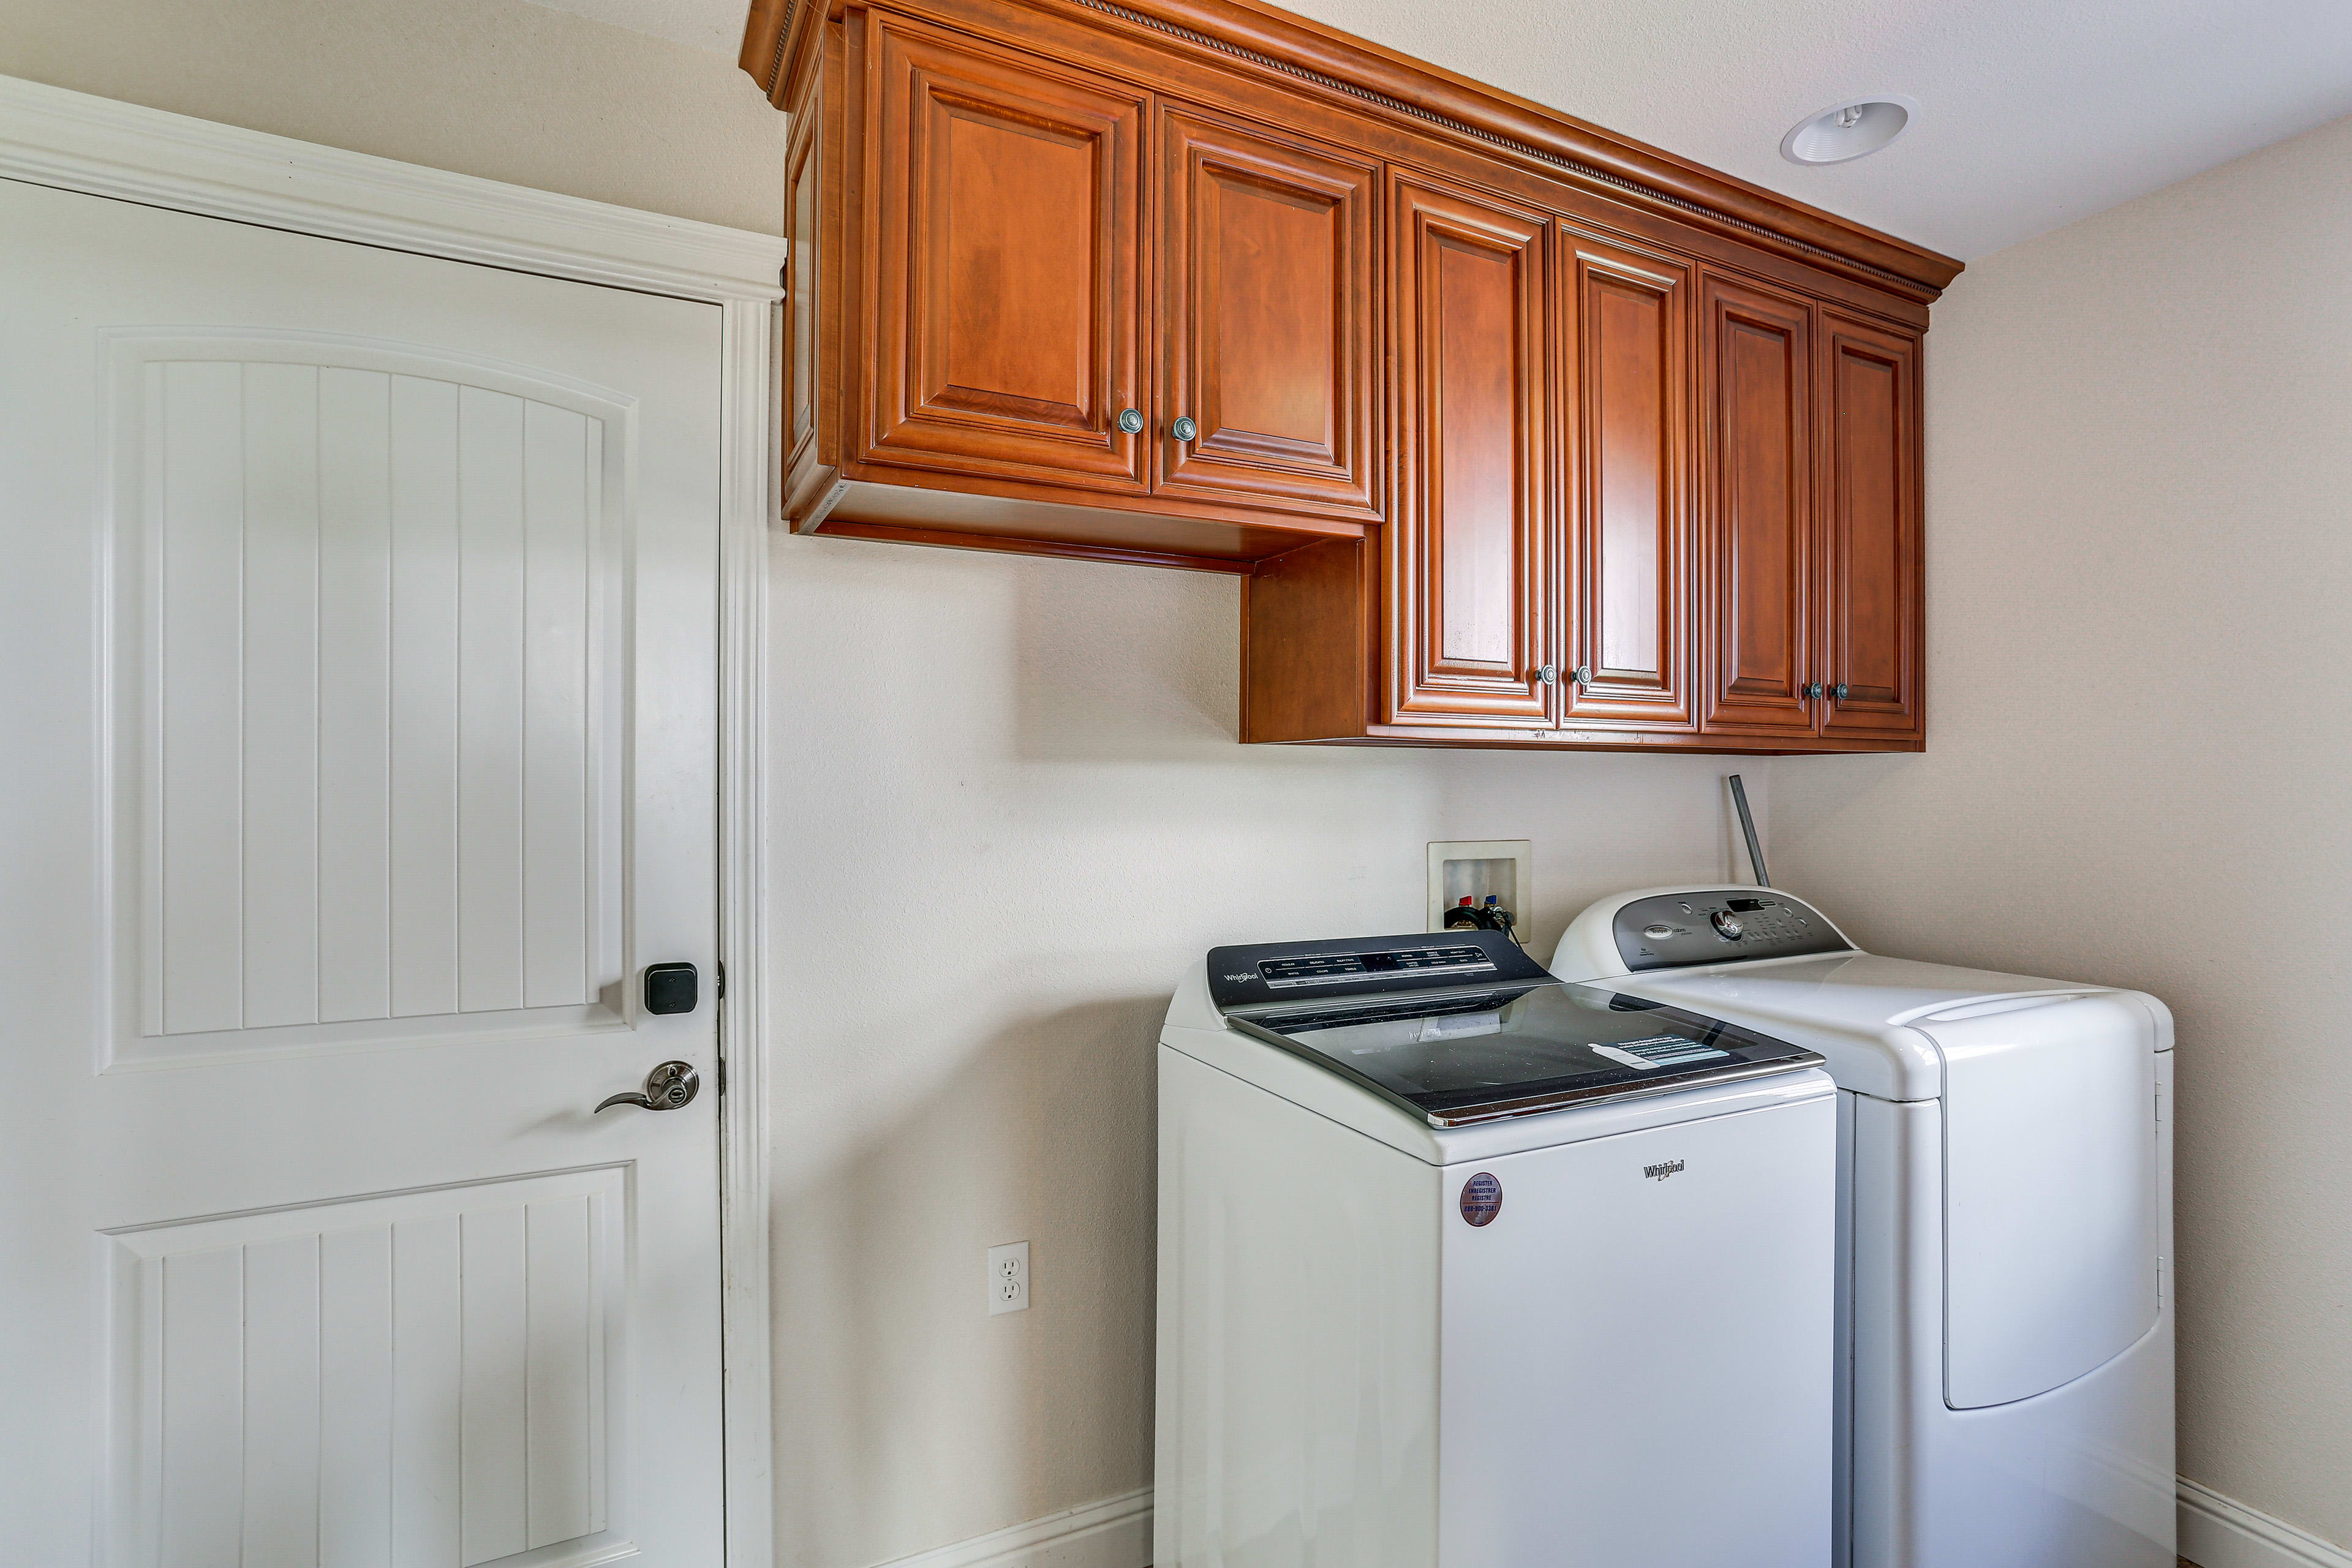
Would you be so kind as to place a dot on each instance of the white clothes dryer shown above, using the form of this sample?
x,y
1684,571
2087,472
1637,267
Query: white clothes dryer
x,y
2005,1362
1461,1267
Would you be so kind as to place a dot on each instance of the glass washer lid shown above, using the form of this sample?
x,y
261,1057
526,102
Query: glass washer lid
x,y
1459,1056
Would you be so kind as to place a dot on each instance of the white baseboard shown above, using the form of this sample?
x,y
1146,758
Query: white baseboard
x,y
2217,1531
1113,1534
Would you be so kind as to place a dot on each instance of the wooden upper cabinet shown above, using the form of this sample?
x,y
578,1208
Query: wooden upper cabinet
x,y
1628,451
1267,317
1756,380
1870,512
1469,606
1507,453
1005,326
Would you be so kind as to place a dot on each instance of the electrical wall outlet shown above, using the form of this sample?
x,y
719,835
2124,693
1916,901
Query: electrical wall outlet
x,y
1008,1278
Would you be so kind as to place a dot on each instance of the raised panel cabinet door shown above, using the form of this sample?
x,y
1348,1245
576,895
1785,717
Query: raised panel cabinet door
x,y
1758,536
1268,315
1470,617
1871,516
1005,310
1628,372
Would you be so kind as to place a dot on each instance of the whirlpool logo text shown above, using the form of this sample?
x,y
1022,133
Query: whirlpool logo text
x,y
1659,1173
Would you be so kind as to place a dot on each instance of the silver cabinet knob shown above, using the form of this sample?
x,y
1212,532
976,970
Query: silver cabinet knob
x,y
1549,674
1581,675
1811,690
1132,420
1837,693
1183,430
669,1086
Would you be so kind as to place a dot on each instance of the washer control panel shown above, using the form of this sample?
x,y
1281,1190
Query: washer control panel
x,y
1676,930
1366,966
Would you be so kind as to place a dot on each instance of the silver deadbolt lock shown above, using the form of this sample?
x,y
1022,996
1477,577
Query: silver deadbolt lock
x,y
1132,420
1183,430
669,1086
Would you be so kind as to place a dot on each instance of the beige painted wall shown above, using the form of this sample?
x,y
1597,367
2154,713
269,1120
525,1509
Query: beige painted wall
x,y
1009,810
500,89
2139,681
1022,774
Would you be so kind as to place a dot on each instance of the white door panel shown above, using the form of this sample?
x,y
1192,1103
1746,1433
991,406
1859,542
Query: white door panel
x,y
373,599
359,611
413,1378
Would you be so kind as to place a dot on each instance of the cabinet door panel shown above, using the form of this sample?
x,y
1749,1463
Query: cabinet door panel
x,y
1468,592
1871,507
1006,312
1627,337
1267,259
1759,528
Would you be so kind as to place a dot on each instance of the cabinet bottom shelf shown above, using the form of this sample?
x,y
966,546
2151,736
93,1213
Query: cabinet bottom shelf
x,y
1029,525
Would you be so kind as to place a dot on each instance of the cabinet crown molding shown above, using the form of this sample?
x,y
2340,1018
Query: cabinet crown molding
x,y
1368,77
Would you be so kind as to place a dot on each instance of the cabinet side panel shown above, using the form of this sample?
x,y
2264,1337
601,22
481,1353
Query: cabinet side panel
x,y
805,282
1306,645
816,197
1297,1387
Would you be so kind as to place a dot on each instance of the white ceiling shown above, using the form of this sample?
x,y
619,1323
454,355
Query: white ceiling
x,y
2032,112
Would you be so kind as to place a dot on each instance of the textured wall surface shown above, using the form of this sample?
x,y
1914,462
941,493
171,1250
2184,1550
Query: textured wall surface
x,y
2139,672
497,88
1009,810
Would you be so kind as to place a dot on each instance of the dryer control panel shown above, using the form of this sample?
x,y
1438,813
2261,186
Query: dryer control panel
x,y
1672,930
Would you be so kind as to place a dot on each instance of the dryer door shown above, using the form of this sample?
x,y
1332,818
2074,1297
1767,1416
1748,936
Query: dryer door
x,y
2050,1192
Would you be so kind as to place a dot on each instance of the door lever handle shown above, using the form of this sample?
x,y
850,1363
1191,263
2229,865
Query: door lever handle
x,y
669,1086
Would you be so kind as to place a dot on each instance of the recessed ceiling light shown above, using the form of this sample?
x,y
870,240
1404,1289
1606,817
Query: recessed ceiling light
x,y
1848,129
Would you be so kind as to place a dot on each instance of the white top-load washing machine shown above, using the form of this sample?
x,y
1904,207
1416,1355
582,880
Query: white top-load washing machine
x,y
1461,1267
2005,1226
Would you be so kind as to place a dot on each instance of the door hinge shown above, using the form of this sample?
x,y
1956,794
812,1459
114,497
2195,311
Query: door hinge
x,y
720,976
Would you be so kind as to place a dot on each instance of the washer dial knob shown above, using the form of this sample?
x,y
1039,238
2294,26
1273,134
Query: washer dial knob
x,y
1726,925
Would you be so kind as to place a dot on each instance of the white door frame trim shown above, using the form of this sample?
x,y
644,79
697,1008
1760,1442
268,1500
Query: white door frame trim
x,y
75,142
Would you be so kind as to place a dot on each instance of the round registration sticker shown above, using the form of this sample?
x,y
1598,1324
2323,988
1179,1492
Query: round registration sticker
x,y
1482,1199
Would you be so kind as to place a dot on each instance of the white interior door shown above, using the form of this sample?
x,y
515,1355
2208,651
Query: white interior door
x,y
357,675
